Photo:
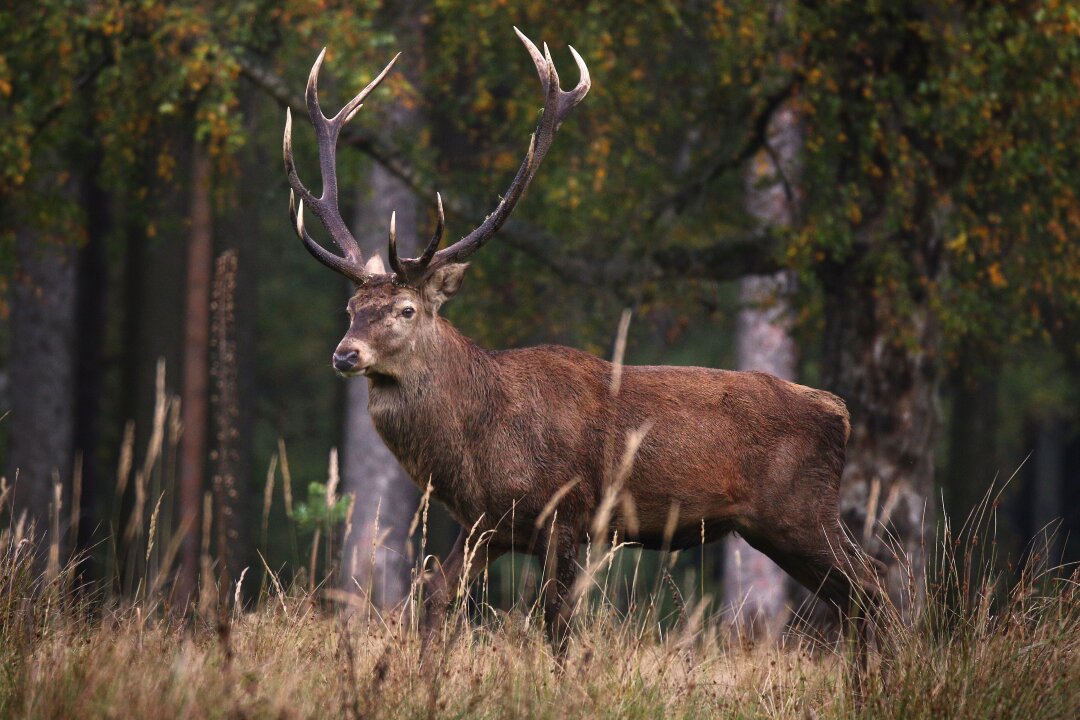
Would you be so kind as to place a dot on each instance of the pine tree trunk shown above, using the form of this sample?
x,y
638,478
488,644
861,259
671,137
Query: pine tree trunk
x,y
229,494
754,586
194,389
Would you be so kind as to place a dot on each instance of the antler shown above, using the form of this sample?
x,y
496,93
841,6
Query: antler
x,y
326,205
557,105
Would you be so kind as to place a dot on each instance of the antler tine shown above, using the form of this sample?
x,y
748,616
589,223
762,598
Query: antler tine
x,y
582,88
436,237
353,106
395,263
290,165
311,91
557,105
326,205
332,261
408,270
538,58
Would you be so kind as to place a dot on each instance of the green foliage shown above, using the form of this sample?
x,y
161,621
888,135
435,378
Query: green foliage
x,y
631,146
940,159
317,512
940,166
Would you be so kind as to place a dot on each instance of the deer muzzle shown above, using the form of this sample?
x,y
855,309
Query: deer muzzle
x,y
353,357
346,362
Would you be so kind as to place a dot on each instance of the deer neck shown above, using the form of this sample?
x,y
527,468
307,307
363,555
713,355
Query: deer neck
x,y
427,413
441,360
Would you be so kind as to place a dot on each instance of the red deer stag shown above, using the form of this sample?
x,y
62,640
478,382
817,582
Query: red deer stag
x,y
500,435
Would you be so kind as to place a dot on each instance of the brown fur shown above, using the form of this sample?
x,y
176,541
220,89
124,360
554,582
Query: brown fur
x,y
499,433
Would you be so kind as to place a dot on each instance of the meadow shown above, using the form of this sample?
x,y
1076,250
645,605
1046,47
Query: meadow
x,y
986,641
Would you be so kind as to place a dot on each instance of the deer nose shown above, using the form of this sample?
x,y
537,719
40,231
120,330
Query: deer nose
x,y
344,362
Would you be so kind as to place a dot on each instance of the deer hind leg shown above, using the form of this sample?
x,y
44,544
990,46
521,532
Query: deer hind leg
x,y
560,572
825,563
844,577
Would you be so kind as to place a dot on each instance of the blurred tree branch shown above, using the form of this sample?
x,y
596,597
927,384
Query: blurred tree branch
x,y
756,139
729,258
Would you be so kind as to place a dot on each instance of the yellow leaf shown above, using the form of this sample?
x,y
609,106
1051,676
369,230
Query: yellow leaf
x,y
997,279
958,243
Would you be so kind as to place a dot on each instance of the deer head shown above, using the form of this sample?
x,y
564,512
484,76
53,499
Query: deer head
x,y
393,312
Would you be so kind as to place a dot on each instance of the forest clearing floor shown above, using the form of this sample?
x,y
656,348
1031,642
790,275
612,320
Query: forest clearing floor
x,y
64,654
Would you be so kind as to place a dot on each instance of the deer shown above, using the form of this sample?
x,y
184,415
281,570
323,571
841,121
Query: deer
x,y
512,440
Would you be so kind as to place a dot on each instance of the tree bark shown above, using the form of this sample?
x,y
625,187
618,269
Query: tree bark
x,y
972,461
882,362
41,375
385,496
93,272
754,586
195,375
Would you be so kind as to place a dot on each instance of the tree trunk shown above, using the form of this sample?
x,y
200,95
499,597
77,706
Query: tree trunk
x,y
42,370
1047,490
754,586
882,363
385,496
972,462
375,554
89,499
195,375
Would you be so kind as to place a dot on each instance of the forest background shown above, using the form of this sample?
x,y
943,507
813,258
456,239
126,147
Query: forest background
x,y
879,199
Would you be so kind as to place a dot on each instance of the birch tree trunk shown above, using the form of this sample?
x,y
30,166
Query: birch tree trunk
x,y
889,378
375,560
754,586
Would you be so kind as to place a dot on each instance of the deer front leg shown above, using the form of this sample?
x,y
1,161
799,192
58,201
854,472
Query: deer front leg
x,y
448,578
560,573
442,586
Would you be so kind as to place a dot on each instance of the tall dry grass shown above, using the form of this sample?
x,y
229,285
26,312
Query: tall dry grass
x,y
989,639
986,643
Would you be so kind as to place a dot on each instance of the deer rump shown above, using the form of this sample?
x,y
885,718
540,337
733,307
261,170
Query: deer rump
x,y
722,450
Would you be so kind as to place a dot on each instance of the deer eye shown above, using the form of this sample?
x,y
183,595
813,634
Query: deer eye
x,y
408,312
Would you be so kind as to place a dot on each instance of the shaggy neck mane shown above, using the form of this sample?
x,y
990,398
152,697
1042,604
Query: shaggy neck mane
x,y
442,359
435,410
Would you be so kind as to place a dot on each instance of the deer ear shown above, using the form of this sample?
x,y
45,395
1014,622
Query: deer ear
x,y
444,283
375,266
